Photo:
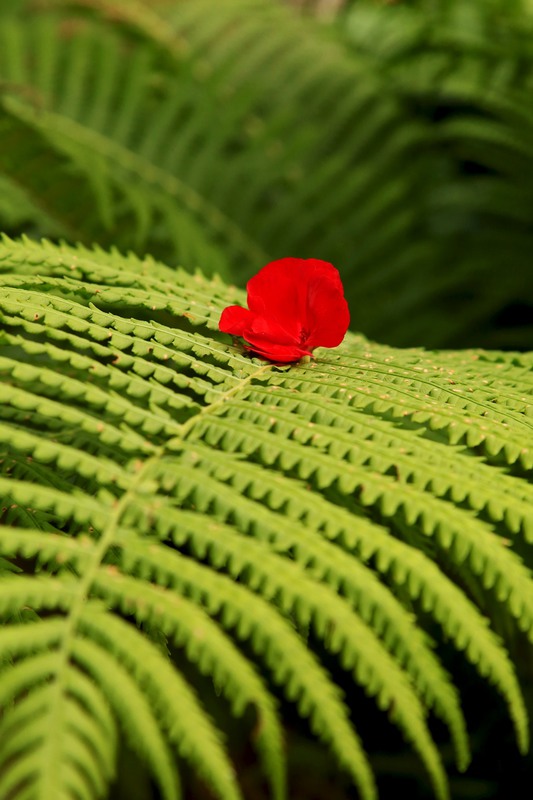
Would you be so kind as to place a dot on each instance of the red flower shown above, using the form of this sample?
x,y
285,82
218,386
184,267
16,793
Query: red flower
x,y
294,305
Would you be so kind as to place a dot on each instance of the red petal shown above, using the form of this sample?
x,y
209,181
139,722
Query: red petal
x,y
269,340
262,329
278,292
234,320
278,352
301,295
329,315
295,305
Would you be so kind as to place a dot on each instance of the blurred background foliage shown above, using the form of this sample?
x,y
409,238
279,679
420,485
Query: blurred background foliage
x,y
391,138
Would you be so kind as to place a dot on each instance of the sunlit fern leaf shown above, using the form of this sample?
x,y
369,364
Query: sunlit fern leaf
x,y
156,478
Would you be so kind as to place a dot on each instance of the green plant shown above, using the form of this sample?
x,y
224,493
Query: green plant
x,y
164,490
223,138
465,69
195,545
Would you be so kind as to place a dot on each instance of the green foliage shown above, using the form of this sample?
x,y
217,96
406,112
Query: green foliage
x,y
175,505
466,70
395,144
184,528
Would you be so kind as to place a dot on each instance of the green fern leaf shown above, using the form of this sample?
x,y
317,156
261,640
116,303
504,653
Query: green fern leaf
x,y
156,478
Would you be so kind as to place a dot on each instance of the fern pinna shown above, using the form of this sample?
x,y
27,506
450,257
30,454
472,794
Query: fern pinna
x,y
164,491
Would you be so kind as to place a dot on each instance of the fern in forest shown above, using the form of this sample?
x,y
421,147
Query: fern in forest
x,y
467,69
167,500
196,132
183,525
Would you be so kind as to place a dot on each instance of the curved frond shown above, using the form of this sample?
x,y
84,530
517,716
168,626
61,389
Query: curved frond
x,y
258,517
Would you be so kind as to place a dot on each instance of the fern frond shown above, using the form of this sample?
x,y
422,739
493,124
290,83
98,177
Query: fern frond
x,y
275,578
216,657
327,563
256,516
132,709
407,568
67,739
271,637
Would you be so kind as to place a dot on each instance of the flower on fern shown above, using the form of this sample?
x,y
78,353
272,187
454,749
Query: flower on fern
x,y
294,305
